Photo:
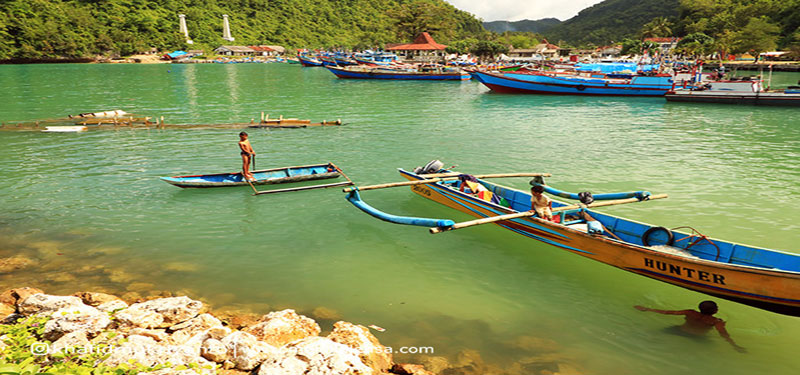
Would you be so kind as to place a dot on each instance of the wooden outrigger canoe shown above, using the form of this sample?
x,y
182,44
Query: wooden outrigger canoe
x,y
262,177
759,277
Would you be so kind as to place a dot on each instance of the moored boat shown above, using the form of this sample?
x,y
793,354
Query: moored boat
x,y
562,84
759,277
262,177
364,72
308,61
748,92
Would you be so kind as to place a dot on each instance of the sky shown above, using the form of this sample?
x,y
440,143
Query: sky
x,y
515,10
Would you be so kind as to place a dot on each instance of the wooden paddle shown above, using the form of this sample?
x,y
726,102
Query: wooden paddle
x,y
517,215
442,177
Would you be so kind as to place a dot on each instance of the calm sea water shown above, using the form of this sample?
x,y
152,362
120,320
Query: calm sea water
x,y
89,211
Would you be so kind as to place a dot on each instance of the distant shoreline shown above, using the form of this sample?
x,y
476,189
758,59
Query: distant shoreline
x,y
777,66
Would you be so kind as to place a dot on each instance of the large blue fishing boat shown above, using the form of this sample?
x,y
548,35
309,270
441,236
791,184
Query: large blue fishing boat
x,y
437,74
540,83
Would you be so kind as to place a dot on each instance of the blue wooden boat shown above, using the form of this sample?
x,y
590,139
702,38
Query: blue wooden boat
x,y
263,177
759,277
344,61
308,61
398,74
511,82
327,61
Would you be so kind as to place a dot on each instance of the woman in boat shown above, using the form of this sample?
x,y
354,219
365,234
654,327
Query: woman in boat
x,y
700,322
540,203
247,155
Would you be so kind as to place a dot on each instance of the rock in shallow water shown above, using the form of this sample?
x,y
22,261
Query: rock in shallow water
x,y
160,313
282,327
315,356
370,350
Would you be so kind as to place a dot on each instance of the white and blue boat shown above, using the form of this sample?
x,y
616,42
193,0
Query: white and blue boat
x,y
262,177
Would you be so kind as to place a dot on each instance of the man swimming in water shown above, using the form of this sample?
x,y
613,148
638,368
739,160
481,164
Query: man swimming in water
x,y
247,154
699,323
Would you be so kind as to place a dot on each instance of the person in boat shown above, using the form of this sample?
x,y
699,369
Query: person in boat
x,y
698,323
470,185
540,203
247,155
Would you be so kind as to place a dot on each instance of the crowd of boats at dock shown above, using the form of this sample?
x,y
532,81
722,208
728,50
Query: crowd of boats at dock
x,y
679,82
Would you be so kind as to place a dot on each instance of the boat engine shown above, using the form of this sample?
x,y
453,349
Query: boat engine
x,y
432,167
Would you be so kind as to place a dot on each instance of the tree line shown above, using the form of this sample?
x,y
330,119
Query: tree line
x,y
89,28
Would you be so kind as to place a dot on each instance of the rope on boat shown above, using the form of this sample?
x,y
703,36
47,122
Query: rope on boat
x,y
696,234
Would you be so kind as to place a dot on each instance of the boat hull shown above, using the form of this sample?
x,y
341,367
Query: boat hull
x,y
352,74
768,99
769,289
307,62
540,84
263,177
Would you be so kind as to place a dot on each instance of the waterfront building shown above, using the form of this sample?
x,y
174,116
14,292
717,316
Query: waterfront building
x,y
424,48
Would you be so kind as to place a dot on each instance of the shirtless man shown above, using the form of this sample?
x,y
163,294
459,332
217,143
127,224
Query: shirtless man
x,y
699,323
247,154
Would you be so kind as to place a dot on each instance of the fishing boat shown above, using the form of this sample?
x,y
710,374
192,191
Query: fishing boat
x,y
262,177
342,60
327,61
573,84
748,92
363,72
308,61
759,277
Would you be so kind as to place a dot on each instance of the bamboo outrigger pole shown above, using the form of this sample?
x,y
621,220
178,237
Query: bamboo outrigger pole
x,y
442,177
492,219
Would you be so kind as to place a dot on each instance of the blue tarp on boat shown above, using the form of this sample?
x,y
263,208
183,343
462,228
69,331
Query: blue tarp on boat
x,y
615,67
176,54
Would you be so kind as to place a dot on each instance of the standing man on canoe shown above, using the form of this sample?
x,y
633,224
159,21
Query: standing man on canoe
x,y
247,155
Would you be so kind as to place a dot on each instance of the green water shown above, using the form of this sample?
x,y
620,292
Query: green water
x,y
90,211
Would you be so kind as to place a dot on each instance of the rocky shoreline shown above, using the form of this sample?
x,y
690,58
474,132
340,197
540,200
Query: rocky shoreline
x,y
176,335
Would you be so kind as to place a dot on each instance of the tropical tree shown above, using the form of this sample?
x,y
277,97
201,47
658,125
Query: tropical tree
x,y
696,44
658,27
631,46
461,47
759,35
488,49
418,16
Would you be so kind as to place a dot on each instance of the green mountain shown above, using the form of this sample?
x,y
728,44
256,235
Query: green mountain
x,y
537,26
611,21
86,28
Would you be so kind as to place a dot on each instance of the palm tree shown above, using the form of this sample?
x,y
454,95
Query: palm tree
x,y
658,27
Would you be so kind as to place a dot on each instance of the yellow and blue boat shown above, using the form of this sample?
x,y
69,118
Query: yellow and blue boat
x,y
759,277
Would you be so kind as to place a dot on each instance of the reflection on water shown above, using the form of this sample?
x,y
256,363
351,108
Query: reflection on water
x,y
87,211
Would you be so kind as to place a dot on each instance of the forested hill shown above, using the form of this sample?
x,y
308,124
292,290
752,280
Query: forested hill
x,y
86,28
537,26
611,20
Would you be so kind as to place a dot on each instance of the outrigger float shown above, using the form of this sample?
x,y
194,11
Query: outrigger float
x,y
265,177
759,277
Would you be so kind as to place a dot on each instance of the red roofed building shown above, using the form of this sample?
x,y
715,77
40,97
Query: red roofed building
x,y
424,48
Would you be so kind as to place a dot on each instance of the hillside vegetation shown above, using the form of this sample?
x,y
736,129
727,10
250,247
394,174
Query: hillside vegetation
x,y
537,26
611,21
86,28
